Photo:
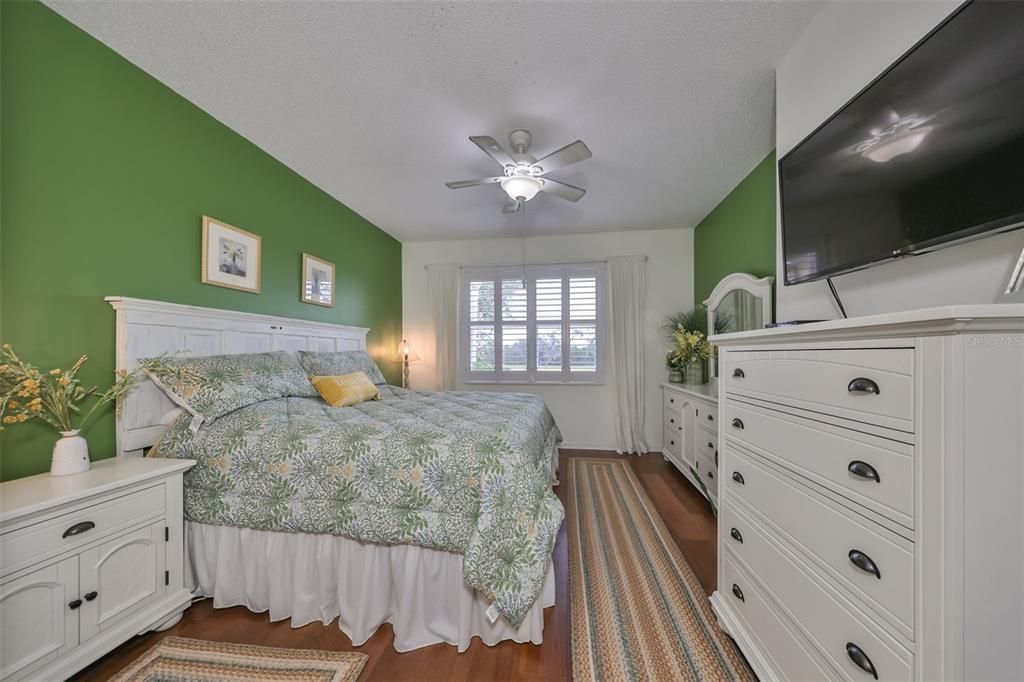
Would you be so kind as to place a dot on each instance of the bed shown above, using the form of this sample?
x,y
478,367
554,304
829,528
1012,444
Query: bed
x,y
431,511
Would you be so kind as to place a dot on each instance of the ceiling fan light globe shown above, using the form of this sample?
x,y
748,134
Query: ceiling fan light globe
x,y
521,188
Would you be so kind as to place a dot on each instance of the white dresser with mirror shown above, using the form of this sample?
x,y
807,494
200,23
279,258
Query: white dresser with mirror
x,y
739,302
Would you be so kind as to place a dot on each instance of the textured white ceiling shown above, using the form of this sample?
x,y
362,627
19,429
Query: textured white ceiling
x,y
373,101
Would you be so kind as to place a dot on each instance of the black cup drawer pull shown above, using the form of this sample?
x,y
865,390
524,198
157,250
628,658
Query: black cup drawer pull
x,y
860,659
738,373
863,385
78,528
863,470
711,475
737,423
736,535
89,596
864,563
711,418
74,604
738,592
711,445
738,477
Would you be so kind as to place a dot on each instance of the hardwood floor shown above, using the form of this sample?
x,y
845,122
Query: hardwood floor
x,y
686,513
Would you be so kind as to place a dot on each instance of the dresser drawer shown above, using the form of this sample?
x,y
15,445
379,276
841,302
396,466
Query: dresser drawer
x,y
830,537
24,546
707,470
790,654
829,619
672,400
673,442
674,420
875,386
826,454
707,444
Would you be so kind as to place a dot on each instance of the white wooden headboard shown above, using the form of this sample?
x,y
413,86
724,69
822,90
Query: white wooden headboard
x,y
149,328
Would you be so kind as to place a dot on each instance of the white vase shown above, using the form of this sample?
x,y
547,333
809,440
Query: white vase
x,y
70,454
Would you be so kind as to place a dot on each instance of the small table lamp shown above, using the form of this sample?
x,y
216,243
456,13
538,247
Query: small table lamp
x,y
405,355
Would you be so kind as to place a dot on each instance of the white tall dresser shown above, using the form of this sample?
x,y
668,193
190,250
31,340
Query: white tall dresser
x,y
872,476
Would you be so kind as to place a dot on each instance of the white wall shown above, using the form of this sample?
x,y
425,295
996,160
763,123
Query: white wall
x,y
584,413
845,46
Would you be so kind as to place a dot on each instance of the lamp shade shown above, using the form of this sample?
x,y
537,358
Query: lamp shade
x,y
521,188
404,353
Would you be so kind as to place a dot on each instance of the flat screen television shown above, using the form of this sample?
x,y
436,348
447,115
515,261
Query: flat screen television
x,y
930,153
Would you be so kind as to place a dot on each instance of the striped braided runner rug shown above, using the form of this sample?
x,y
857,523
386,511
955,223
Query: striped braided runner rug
x,y
638,611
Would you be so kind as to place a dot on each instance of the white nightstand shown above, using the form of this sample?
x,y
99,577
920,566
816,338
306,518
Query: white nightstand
x,y
87,562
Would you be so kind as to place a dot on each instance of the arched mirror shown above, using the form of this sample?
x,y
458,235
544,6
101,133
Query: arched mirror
x,y
740,302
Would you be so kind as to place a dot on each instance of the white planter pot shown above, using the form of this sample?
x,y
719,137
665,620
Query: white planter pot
x,y
70,454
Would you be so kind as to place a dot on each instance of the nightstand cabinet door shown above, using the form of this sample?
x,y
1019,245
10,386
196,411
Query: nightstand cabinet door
x,y
37,623
120,576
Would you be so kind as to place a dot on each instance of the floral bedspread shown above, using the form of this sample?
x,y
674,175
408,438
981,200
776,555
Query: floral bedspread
x,y
465,472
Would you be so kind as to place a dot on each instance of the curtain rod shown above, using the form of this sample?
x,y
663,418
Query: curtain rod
x,y
528,265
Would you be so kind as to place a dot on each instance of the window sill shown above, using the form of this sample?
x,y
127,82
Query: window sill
x,y
492,382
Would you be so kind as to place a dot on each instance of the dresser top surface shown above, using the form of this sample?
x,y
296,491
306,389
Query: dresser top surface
x,y
24,496
708,391
944,320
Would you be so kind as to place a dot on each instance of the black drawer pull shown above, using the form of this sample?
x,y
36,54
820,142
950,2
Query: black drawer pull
x,y
738,373
89,596
711,418
738,477
78,528
860,659
672,400
711,475
737,423
672,442
738,592
74,604
863,470
863,385
736,536
864,563
711,445
671,420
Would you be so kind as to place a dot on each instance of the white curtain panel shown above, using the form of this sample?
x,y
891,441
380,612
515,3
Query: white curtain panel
x,y
626,285
443,285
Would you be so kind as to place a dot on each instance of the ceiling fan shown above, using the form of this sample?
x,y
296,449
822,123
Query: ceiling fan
x,y
525,176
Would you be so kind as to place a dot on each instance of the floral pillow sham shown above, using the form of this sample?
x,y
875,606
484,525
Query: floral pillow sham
x,y
211,386
342,362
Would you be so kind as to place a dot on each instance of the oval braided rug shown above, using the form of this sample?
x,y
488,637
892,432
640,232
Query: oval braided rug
x,y
638,611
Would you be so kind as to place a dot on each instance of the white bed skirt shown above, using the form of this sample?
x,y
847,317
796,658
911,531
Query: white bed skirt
x,y
311,578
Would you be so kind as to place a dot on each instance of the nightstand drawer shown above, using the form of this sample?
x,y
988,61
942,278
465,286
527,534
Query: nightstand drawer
x,y
29,544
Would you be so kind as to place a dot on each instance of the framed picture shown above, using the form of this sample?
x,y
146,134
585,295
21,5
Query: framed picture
x,y
231,256
317,281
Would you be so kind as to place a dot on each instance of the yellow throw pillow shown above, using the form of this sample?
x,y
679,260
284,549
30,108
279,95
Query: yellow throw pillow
x,y
345,390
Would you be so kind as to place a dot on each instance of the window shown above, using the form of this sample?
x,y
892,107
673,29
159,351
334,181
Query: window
x,y
533,324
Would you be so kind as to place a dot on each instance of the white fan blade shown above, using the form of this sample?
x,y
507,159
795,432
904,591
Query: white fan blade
x,y
472,183
511,206
567,155
493,149
560,189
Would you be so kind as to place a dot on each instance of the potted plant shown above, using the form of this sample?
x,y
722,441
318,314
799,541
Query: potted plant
x,y
57,397
687,358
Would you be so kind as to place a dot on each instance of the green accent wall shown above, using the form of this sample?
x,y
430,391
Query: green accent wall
x,y
106,174
739,234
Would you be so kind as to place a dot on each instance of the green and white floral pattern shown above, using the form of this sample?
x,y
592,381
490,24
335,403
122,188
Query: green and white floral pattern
x,y
342,362
214,385
463,472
